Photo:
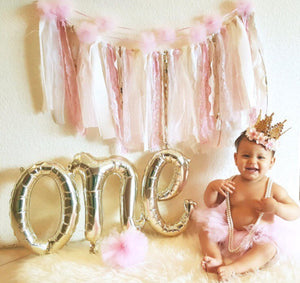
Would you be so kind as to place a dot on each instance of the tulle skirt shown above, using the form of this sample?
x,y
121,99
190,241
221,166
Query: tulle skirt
x,y
283,234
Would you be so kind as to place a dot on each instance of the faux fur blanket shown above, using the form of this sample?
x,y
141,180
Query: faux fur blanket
x,y
169,259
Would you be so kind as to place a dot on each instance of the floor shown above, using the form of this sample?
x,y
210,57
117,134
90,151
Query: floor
x,y
9,258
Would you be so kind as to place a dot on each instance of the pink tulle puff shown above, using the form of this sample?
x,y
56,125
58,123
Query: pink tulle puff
x,y
166,35
87,32
60,9
253,115
198,34
105,24
213,24
148,42
244,8
125,249
213,220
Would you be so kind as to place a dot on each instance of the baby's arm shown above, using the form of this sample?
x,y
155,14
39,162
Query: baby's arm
x,y
281,204
216,190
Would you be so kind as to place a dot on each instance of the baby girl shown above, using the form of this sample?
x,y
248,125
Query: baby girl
x,y
240,221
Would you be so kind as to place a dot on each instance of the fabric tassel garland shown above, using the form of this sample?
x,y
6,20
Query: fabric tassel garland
x,y
195,99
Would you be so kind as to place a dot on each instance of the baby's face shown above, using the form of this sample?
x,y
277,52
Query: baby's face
x,y
253,160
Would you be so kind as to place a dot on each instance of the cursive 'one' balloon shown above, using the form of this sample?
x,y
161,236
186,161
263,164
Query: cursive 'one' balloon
x,y
150,188
94,174
20,206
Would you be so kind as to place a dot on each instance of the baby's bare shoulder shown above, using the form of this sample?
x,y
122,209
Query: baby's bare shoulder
x,y
279,192
277,189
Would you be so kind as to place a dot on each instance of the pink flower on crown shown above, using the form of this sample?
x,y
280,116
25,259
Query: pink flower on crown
x,y
261,139
271,144
251,134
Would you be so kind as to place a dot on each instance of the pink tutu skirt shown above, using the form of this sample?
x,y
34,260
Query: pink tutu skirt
x,y
283,234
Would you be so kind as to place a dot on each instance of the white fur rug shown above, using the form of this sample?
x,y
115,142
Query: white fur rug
x,y
169,259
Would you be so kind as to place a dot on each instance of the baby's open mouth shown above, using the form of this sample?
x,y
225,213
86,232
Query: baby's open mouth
x,y
251,169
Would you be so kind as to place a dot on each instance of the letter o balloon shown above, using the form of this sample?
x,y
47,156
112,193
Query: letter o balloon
x,y
20,207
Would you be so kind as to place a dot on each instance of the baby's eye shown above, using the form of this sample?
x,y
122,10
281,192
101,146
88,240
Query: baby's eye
x,y
261,157
246,155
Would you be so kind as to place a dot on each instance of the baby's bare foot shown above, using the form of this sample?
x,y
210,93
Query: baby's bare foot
x,y
210,264
225,272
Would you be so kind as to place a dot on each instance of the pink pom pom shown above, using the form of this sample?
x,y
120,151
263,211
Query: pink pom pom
x,y
198,34
125,249
244,8
47,9
63,9
87,32
57,8
148,42
105,24
252,116
166,35
213,24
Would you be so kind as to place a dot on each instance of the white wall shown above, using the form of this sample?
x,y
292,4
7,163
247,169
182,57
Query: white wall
x,y
28,136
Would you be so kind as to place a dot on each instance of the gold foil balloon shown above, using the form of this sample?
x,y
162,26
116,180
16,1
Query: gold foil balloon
x,y
94,174
20,206
150,188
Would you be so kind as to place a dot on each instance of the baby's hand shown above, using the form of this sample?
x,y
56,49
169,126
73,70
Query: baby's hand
x,y
266,205
223,186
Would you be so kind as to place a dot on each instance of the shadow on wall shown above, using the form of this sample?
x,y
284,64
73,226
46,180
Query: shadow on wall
x,y
9,176
32,53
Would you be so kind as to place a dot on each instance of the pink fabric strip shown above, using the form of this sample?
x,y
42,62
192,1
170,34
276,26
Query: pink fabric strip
x,y
125,67
196,56
260,74
174,109
133,112
113,89
238,69
226,109
52,69
85,81
205,120
181,110
71,91
156,139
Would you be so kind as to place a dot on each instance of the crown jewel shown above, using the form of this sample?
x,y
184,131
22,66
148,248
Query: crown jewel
x,y
264,133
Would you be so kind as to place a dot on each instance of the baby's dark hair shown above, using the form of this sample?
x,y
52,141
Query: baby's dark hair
x,y
239,139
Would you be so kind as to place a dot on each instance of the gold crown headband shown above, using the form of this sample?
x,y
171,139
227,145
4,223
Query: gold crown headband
x,y
264,133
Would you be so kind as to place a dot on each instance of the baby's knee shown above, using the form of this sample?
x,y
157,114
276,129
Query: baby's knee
x,y
269,250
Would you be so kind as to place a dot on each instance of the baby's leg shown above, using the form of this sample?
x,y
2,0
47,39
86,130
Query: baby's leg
x,y
212,255
253,259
